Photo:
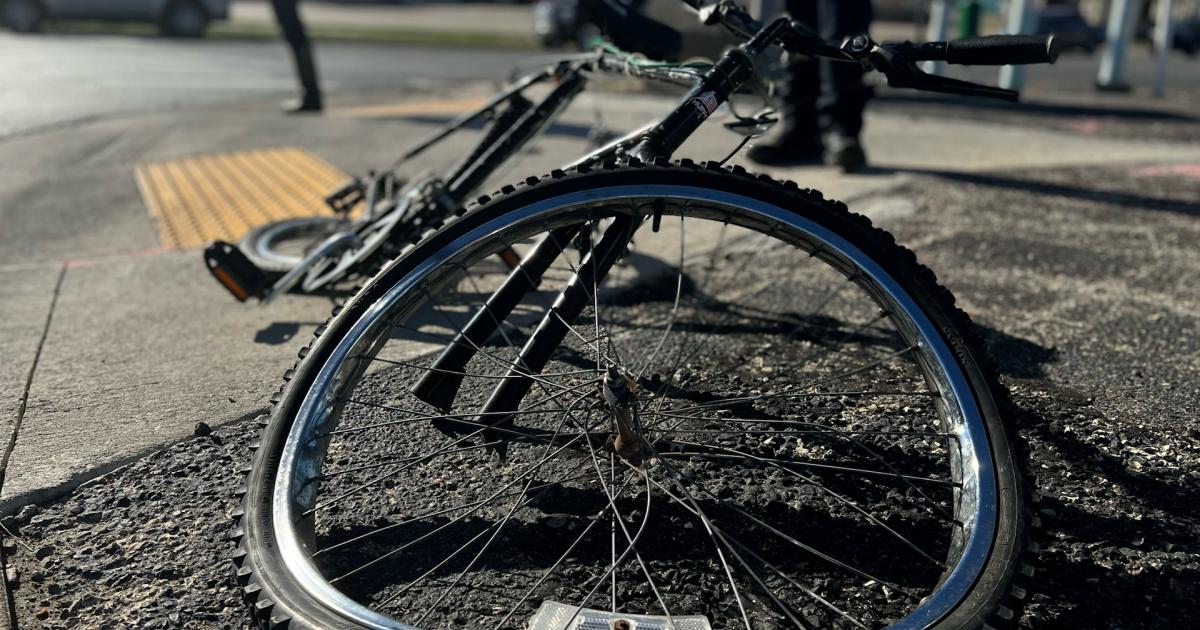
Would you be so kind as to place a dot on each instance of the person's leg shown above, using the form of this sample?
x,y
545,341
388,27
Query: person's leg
x,y
306,70
800,140
843,96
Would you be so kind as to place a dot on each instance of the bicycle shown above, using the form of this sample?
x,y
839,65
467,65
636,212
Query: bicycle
x,y
764,413
312,253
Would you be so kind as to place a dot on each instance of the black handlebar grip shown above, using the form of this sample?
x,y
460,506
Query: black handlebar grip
x,y
1002,50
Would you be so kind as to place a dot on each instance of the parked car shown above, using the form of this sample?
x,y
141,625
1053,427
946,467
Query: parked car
x,y
1070,28
176,18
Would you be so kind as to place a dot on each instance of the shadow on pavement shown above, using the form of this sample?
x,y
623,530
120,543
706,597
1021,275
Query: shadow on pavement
x,y
1123,556
1035,108
1017,357
277,333
1118,538
1084,193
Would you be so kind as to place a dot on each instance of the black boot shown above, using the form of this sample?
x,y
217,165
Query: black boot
x,y
310,102
845,151
789,150
310,99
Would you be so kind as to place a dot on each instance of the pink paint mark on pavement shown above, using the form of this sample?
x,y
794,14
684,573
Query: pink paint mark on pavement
x,y
1086,125
1190,171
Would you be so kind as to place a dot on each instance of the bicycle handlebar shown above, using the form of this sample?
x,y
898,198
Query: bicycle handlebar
x,y
896,61
992,50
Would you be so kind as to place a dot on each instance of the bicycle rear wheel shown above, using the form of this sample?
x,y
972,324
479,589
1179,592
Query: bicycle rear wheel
x,y
807,434
281,245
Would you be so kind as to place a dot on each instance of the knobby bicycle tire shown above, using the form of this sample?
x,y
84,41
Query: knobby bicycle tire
x,y
995,598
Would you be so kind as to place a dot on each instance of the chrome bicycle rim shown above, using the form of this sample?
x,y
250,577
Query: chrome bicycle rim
x,y
946,403
283,244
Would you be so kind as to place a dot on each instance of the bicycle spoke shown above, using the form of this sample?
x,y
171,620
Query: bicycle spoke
x,y
475,375
497,529
836,377
391,553
393,460
415,519
562,558
709,529
419,416
811,593
674,307
841,499
780,407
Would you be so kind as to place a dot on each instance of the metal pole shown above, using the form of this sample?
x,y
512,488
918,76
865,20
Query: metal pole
x,y
1162,45
938,31
1021,19
1120,28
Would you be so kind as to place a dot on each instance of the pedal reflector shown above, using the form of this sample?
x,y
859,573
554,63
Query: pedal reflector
x,y
556,616
237,273
510,257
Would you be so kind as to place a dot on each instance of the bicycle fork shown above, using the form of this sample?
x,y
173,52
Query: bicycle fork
x,y
440,383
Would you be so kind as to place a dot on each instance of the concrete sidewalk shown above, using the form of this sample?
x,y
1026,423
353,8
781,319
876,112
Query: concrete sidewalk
x,y
140,343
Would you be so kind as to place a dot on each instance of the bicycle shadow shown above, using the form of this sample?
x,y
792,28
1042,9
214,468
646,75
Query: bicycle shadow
x,y
1015,356
1118,544
556,519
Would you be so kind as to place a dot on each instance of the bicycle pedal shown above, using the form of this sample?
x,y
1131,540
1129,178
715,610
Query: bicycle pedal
x,y
348,195
237,273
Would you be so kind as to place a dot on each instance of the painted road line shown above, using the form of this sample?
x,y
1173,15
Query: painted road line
x,y
196,200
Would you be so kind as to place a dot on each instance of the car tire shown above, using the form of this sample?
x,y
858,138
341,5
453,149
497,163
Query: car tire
x,y
184,18
22,16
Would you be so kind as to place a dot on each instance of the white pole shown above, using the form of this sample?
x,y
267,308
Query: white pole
x,y
937,31
1162,45
1021,20
1120,29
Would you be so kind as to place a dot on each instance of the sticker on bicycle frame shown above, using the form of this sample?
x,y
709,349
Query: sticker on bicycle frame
x,y
705,103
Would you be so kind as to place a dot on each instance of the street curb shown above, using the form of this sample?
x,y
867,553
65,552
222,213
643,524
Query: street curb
x,y
318,31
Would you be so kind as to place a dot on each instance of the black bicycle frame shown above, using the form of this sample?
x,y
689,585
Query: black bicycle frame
x,y
440,383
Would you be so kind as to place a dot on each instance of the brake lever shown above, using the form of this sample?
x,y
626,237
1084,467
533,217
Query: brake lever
x,y
902,72
933,83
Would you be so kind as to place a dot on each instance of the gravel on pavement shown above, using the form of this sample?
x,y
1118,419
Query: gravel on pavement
x,y
1084,283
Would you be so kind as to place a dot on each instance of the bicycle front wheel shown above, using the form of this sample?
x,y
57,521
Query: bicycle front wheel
x,y
760,413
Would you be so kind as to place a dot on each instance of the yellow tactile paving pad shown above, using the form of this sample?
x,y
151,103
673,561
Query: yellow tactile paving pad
x,y
196,200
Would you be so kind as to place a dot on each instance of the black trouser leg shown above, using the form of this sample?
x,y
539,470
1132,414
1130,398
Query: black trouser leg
x,y
825,95
800,93
293,31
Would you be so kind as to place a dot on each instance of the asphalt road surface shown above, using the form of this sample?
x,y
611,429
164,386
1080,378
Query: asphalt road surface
x,y
55,79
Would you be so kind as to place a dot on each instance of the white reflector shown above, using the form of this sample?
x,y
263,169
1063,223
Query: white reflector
x,y
556,616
